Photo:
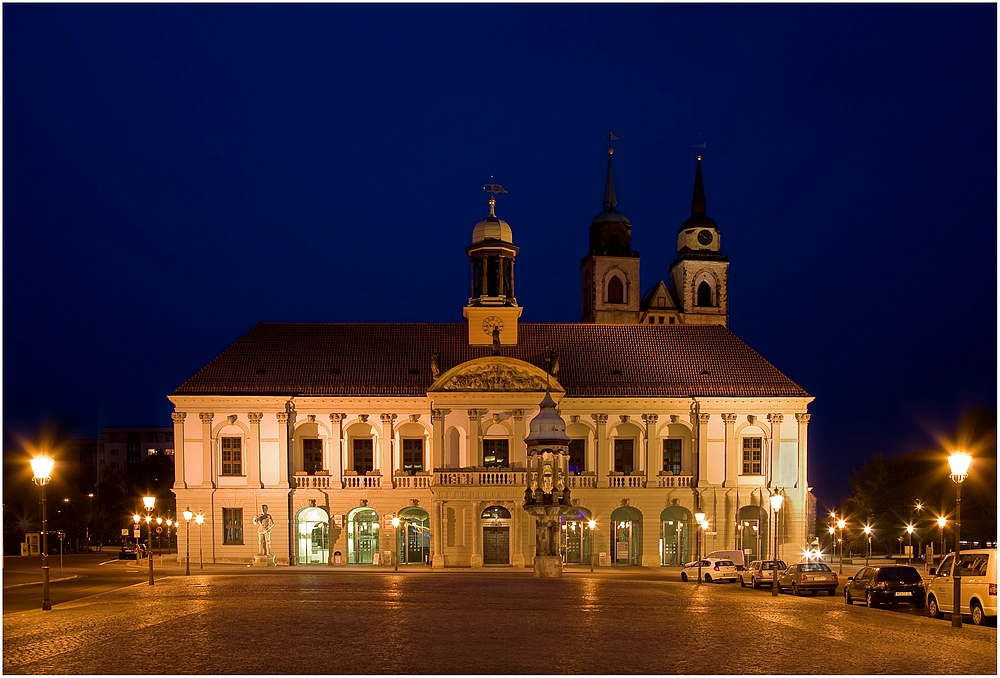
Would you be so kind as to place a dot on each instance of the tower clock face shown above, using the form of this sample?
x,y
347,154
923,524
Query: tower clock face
x,y
490,322
705,237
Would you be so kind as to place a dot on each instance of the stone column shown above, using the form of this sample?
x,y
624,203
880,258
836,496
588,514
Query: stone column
x,y
253,450
437,534
180,477
650,465
283,459
476,560
520,448
733,453
802,483
603,464
387,464
207,450
775,419
437,428
517,548
700,421
475,436
337,447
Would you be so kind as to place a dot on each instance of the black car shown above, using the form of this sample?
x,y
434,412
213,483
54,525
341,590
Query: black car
x,y
132,552
888,584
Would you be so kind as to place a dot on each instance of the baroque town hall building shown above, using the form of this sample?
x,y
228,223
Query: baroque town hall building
x,y
338,428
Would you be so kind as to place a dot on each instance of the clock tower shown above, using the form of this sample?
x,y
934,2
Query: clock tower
x,y
700,274
492,311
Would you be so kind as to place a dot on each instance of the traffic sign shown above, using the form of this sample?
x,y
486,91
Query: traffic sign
x,y
124,531
135,534
159,530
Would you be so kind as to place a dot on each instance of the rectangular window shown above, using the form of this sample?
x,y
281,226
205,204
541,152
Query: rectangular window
x,y
672,456
312,455
624,455
364,456
752,456
232,457
232,525
495,454
577,454
152,437
413,455
169,437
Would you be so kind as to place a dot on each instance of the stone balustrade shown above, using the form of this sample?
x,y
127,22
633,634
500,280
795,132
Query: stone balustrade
x,y
683,480
633,480
317,482
586,481
362,482
419,481
481,476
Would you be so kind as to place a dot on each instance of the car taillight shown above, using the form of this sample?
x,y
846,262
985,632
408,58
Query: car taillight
x,y
716,568
993,589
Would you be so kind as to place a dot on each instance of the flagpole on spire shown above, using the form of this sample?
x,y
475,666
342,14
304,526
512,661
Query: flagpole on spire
x,y
493,190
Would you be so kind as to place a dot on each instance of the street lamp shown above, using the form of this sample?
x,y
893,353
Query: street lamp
x,y
200,519
942,523
395,560
187,535
700,518
776,500
41,468
170,543
841,524
868,533
149,502
959,462
159,538
593,526
909,532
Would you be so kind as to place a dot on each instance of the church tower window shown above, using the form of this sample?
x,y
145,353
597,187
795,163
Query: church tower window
x,y
616,291
705,294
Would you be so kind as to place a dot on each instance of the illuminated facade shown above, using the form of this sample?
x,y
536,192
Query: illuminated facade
x,y
340,427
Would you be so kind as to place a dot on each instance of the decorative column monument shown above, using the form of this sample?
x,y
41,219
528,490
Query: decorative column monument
x,y
547,494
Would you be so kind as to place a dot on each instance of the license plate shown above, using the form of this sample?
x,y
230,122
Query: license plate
x,y
904,593
821,578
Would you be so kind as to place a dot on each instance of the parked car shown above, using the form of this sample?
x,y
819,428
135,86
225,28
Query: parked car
x,y
712,569
808,577
979,586
760,573
132,552
888,584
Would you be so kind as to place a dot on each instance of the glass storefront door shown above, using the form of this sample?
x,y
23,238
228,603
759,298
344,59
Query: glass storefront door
x,y
313,536
362,536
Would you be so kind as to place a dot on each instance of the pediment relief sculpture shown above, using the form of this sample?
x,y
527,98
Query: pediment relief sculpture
x,y
496,373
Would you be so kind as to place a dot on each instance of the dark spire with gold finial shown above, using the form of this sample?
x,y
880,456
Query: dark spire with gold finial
x,y
610,200
699,217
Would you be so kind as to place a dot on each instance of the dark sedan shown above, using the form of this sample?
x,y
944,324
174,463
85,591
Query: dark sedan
x,y
889,584
808,577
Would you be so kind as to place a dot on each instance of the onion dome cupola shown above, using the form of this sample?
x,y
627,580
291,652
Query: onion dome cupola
x,y
699,233
610,271
492,308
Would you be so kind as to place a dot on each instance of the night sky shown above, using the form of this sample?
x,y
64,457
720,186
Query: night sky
x,y
174,175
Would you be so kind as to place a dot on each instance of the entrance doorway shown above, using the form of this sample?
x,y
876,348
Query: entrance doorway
x,y
362,536
312,529
752,533
496,536
575,534
413,544
675,536
626,535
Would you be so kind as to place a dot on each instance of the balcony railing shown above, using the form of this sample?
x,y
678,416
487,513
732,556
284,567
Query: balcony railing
x,y
586,481
630,481
366,482
420,481
683,480
481,476
319,482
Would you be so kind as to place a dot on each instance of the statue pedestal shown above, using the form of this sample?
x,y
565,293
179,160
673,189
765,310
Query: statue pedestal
x,y
548,566
264,561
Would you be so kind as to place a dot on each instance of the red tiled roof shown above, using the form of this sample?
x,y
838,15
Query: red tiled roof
x,y
385,359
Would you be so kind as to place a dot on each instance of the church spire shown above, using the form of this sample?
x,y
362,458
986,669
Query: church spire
x,y
698,200
610,200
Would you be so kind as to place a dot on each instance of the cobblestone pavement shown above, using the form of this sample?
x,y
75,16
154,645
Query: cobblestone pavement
x,y
318,622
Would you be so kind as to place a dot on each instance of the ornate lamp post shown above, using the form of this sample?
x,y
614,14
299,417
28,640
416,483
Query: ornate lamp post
x,y
868,553
200,519
170,543
149,502
593,526
959,462
776,500
942,523
41,468
700,518
841,524
395,526
187,536
833,540
909,532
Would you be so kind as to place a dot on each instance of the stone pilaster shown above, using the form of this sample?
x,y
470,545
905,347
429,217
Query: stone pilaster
x,y
802,482
475,446
520,447
180,475
337,463
437,430
650,465
775,420
283,459
207,450
386,464
603,460
253,451
734,455
476,559
700,420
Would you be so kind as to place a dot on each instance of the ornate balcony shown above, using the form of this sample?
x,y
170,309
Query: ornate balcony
x,y
496,477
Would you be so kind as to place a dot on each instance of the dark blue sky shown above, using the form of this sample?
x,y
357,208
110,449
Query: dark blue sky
x,y
175,174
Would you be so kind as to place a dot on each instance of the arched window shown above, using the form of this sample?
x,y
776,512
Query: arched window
x,y
616,292
704,294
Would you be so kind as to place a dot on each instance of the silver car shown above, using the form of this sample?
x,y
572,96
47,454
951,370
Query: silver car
x,y
761,573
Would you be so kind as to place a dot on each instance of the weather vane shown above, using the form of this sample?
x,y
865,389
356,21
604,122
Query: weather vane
x,y
702,145
611,137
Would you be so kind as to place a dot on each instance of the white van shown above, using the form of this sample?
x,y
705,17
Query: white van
x,y
979,586
735,556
